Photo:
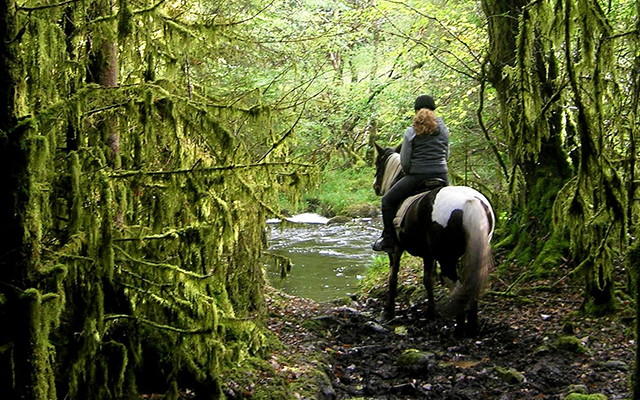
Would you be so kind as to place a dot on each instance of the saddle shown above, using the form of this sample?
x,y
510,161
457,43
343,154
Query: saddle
x,y
429,185
423,189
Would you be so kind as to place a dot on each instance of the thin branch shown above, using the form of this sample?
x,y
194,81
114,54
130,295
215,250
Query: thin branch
x,y
431,49
44,7
284,136
97,110
443,26
248,18
113,317
553,99
159,265
149,9
128,174
484,128
249,39
145,280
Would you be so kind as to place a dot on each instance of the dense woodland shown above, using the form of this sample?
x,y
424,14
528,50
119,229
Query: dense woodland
x,y
143,144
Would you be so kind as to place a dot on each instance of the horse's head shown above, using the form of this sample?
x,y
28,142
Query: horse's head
x,y
382,157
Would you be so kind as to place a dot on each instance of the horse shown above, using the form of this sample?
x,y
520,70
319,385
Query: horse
x,y
445,224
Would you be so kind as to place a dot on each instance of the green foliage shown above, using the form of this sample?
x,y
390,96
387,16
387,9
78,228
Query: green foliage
x,y
410,287
550,122
144,204
579,396
342,192
376,275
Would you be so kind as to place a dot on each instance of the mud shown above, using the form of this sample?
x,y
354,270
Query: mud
x,y
533,345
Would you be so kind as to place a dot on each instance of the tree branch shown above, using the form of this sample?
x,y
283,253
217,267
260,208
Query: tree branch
x,y
159,265
113,317
44,7
505,172
128,174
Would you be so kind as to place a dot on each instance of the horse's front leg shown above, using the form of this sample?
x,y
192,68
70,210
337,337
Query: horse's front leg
x,y
392,286
428,271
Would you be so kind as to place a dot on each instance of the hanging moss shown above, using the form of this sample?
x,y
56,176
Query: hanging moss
x,y
125,20
552,254
578,93
152,279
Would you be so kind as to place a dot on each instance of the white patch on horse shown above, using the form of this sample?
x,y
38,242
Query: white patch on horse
x,y
451,198
391,171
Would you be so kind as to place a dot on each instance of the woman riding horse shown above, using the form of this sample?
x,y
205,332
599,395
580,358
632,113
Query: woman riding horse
x,y
445,224
423,156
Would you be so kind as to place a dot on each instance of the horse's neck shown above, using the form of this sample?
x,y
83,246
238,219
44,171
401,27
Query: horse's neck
x,y
392,169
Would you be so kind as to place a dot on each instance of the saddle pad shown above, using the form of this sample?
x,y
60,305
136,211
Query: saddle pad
x,y
402,211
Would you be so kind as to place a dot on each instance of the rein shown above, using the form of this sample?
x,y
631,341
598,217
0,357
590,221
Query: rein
x,y
392,168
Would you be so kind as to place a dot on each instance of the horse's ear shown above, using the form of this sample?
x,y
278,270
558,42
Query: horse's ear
x,y
379,148
398,148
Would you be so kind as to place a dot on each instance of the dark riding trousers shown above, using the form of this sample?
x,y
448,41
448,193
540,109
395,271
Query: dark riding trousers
x,y
405,187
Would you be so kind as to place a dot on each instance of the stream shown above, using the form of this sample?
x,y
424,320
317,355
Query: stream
x,y
328,260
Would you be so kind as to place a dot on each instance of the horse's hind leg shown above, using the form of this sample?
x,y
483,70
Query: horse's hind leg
x,y
392,286
472,327
460,324
467,320
429,270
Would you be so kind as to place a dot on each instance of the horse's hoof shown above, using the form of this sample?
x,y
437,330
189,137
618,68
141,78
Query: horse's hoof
x,y
472,330
466,331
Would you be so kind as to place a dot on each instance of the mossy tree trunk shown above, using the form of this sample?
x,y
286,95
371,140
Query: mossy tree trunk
x,y
26,371
633,253
539,166
102,69
133,217
595,202
577,94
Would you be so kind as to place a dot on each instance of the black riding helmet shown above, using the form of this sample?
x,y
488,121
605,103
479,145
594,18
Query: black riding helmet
x,y
425,101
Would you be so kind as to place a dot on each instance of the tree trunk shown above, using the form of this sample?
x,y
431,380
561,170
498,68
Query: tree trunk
x,y
25,371
103,70
634,263
536,178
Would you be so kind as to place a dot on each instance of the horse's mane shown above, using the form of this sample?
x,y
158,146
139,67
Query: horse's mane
x,y
392,169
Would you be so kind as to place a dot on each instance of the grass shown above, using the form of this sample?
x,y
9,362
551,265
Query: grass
x,y
376,275
410,286
340,192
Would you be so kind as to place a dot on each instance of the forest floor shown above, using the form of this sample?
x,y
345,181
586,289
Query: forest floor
x,y
533,343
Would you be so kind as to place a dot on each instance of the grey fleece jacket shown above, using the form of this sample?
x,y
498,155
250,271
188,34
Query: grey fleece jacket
x,y
426,154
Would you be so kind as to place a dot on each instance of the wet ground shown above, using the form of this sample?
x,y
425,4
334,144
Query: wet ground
x,y
533,344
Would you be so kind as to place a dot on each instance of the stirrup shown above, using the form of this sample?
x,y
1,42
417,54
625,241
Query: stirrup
x,y
383,244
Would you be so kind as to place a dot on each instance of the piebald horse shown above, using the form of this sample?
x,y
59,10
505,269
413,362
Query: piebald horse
x,y
445,224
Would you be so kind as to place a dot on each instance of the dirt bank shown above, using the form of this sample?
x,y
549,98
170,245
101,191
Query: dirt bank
x,y
533,344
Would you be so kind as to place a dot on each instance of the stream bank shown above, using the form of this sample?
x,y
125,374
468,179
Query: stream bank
x,y
533,344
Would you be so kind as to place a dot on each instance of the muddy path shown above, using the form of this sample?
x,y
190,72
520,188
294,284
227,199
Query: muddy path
x,y
532,345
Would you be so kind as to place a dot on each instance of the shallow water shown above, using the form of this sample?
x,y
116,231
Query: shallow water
x,y
328,261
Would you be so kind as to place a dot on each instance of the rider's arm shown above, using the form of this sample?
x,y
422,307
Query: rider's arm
x,y
405,151
444,130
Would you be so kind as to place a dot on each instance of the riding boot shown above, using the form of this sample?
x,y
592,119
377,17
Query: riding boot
x,y
387,241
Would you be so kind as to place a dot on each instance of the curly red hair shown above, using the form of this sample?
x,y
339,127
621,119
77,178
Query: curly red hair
x,y
424,122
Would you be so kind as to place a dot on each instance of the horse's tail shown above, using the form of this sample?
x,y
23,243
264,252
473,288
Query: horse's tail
x,y
477,261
